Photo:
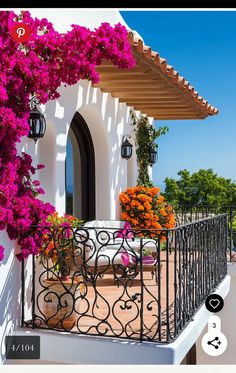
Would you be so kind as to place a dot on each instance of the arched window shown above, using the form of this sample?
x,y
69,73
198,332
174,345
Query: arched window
x,y
80,171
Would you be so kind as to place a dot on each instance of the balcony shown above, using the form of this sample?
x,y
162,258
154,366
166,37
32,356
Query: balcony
x,y
98,285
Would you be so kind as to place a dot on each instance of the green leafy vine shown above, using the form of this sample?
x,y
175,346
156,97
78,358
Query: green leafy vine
x,y
145,137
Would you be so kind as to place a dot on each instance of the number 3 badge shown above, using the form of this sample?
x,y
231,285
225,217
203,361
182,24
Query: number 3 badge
x,y
214,342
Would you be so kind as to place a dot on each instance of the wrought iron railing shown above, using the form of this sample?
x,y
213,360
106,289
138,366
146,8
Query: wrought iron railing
x,y
147,287
188,213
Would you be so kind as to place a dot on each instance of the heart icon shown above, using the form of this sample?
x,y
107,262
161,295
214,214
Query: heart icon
x,y
214,303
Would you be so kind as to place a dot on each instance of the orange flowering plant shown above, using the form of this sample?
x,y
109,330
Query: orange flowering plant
x,y
144,208
58,240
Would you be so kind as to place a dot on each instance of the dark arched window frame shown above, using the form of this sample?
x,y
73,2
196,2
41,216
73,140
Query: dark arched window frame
x,y
85,143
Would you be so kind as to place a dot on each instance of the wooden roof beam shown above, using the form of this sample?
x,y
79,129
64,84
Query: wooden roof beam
x,y
164,106
113,84
145,90
134,77
105,72
174,117
169,110
152,101
138,95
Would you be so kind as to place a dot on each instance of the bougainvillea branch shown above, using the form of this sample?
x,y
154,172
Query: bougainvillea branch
x,y
38,67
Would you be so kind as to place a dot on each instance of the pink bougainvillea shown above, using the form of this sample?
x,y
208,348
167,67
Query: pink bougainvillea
x,y
1,253
38,67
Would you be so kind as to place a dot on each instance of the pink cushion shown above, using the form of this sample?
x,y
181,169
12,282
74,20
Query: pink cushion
x,y
125,232
148,259
127,259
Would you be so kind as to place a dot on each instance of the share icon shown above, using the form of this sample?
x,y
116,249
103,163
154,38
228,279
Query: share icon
x,y
217,344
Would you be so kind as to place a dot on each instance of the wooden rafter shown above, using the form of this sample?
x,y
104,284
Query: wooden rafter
x,y
153,87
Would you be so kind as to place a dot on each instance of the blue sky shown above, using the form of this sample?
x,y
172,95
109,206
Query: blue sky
x,y
201,46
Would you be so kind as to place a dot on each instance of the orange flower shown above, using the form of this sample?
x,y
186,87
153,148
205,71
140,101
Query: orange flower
x,y
141,196
160,200
130,191
124,198
144,198
156,225
147,206
133,204
124,216
169,208
163,212
140,208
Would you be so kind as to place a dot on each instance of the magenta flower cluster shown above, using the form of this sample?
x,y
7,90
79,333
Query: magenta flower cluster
x,y
38,67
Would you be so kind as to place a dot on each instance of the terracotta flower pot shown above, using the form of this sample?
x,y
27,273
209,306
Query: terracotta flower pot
x,y
60,301
68,263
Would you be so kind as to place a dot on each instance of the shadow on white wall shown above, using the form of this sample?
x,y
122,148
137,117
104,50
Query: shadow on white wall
x,y
107,121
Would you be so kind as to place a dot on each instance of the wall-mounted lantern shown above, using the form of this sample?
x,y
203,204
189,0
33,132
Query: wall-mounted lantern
x,y
37,121
126,147
153,156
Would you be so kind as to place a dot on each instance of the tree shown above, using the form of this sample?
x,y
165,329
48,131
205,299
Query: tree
x,y
201,188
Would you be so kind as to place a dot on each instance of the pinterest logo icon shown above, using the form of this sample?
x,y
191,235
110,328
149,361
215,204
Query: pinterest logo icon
x,y
20,32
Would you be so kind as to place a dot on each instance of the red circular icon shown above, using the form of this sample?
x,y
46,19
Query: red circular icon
x,y
20,32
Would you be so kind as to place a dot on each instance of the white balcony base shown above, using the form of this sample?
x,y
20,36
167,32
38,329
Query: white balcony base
x,y
66,348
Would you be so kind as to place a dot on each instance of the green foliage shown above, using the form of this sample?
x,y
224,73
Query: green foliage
x,y
201,188
145,137
234,223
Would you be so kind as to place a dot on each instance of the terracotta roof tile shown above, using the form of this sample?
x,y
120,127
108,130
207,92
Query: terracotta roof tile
x,y
171,73
154,87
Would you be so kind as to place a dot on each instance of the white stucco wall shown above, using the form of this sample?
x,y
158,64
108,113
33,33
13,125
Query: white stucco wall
x,y
9,291
108,121
62,19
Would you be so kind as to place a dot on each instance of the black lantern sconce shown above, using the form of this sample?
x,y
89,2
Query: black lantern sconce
x,y
153,156
126,147
37,121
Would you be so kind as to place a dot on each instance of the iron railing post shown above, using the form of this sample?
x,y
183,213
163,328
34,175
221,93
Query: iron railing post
x,y
158,279
141,295
226,240
33,291
230,232
167,289
175,284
